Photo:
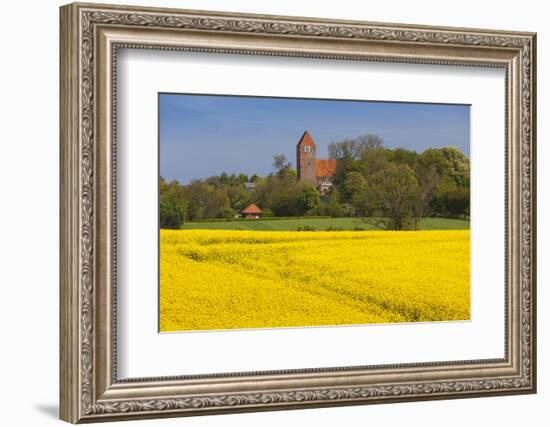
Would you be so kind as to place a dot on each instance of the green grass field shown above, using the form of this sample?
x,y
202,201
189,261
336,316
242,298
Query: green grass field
x,y
320,224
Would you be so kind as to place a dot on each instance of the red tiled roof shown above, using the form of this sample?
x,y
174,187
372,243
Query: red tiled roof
x,y
326,167
306,139
251,209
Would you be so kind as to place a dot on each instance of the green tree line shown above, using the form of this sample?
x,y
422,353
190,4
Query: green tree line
x,y
391,188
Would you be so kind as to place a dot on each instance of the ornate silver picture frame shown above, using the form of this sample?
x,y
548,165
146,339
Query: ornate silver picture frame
x,y
91,35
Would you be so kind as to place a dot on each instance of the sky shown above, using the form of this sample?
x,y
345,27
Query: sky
x,y
205,135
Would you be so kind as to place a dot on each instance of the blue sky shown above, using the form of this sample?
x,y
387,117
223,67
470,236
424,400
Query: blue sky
x,y
204,135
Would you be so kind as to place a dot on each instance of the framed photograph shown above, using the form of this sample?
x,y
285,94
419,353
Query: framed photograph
x,y
266,212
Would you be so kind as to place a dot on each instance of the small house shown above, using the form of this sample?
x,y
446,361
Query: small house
x,y
251,212
325,187
250,186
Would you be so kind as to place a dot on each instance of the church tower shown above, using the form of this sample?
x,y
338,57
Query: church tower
x,y
306,159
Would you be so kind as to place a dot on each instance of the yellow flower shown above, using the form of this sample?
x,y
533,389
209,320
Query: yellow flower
x,y
226,279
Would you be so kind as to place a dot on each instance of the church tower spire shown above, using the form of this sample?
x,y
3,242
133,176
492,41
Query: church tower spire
x,y
306,159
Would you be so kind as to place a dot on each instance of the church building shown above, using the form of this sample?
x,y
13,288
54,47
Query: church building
x,y
318,172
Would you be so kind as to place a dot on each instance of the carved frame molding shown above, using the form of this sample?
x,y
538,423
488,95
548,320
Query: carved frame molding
x,y
90,37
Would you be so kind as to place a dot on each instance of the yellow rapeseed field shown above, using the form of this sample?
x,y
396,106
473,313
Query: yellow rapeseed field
x,y
225,279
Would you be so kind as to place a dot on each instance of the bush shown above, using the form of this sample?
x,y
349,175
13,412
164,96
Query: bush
x,y
267,213
306,228
347,210
172,215
173,205
226,213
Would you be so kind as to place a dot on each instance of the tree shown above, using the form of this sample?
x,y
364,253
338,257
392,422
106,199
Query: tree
x,y
217,203
451,196
403,156
286,196
334,206
282,165
343,167
394,187
354,148
355,188
226,212
364,154
171,215
459,165
448,161
395,196
239,198
224,178
275,192
458,201
428,178
450,199
373,161
309,199
173,204
206,198
197,192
